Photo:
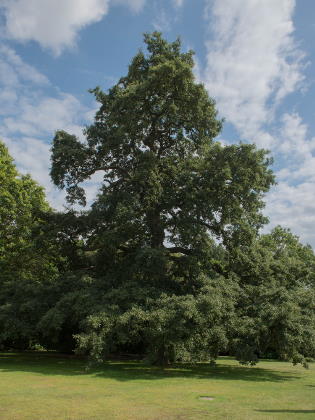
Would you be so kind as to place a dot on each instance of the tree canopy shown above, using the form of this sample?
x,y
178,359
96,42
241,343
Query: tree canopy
x,y
165,179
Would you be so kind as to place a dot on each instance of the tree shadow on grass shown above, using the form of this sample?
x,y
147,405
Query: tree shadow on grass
x,y
287,411
52,364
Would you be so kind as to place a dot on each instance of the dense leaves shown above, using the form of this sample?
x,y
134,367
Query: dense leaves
x,y
276,309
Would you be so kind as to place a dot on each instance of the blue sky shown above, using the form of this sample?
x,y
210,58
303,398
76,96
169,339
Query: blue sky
x,y
255,57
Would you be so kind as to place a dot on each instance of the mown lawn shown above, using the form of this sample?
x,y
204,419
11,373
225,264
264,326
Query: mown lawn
x,y
42,386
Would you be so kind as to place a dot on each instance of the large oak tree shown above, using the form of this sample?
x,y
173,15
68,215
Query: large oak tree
x,y
170,193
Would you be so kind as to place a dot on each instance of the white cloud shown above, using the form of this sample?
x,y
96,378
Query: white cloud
x,y
297,149
16,72
46,116
25,108
16,77
293,206
53,24
17,68
252,60
291,203
295,137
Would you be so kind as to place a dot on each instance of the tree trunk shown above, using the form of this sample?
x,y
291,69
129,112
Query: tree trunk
x,y
156,228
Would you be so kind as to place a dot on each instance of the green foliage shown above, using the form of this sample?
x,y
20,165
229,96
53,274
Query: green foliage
x,y
276,309
28,263
167,328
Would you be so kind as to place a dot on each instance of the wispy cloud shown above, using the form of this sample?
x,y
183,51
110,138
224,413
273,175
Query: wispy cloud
x,y
252,60
163,20
44,116
291,202
18,69
292,205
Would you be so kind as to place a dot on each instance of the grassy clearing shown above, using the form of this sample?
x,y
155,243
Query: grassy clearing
x,y
46,387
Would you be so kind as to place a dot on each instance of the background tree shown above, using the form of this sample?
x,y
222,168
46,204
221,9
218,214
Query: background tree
x,y
169,191
28,263
275,313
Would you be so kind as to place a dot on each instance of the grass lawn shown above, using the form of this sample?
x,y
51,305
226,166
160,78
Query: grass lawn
x,y
42,386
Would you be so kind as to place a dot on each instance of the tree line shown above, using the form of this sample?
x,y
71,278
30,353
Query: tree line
x,y
169,261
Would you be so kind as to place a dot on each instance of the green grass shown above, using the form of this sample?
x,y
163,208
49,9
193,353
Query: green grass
x,y
42,386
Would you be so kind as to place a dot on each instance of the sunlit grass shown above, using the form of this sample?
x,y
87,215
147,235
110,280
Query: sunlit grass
x,y
41,386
